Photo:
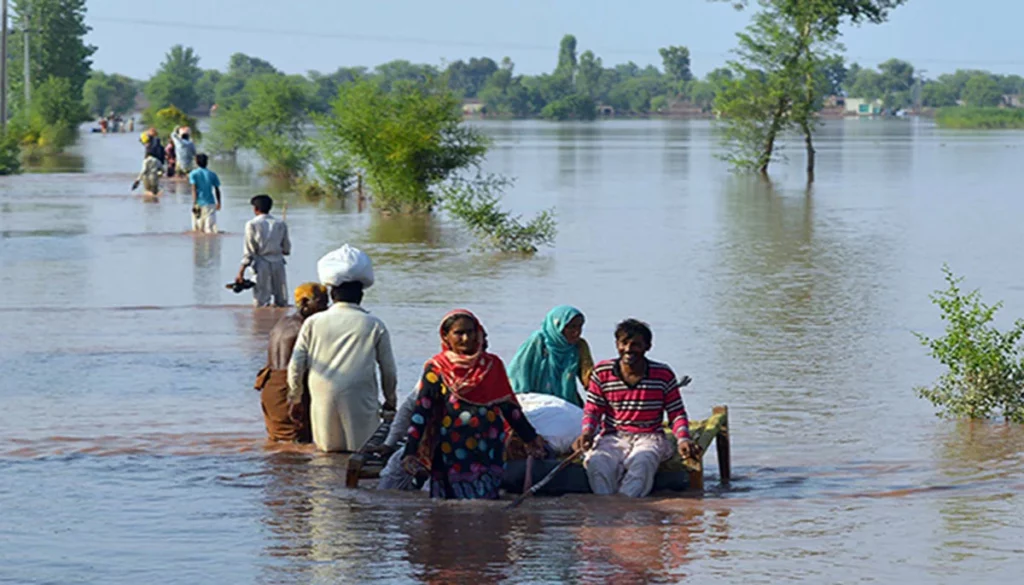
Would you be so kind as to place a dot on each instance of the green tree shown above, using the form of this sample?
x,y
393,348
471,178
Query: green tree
x,y
588,76
175,82
982,91
574,107
104,94
57,47
206,88
408,141
53,116
391,73
936,94
566,68
676,62
782,53
779,83
270,123
468,79
897,82
834,72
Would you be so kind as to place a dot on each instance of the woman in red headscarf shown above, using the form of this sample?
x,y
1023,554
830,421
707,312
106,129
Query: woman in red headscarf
x,y
457,429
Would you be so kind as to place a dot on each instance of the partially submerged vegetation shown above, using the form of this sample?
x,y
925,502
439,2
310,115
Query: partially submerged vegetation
x,y
409,141
970,118
984,366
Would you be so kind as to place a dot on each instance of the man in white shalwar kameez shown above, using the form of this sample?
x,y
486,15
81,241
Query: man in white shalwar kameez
x,y
336,358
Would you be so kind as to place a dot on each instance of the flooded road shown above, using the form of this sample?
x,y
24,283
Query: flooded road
x,y
131,441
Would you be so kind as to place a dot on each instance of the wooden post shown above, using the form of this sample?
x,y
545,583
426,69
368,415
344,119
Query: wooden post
x,y
722,445
697,474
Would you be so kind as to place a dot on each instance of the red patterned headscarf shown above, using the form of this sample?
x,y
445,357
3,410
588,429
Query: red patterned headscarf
x,y
479,378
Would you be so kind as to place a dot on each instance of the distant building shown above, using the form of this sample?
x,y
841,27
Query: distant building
x,y
605,110
863,107
473,107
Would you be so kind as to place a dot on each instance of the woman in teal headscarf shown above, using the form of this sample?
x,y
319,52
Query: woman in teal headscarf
x,y
554,357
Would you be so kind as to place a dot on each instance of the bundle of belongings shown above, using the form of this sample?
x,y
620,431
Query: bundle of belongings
x,y
346,264
557,420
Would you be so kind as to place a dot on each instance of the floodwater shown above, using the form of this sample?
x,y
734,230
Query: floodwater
x,y
131,445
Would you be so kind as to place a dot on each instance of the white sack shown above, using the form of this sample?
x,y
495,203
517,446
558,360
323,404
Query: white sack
x,y
346,264
558,421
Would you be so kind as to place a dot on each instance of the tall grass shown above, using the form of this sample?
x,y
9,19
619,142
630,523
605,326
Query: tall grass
x,y
968,118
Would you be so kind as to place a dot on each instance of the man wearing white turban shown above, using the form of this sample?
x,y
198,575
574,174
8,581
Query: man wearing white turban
x,y
336,358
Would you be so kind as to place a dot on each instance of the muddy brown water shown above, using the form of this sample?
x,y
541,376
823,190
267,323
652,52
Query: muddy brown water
x,y
131,443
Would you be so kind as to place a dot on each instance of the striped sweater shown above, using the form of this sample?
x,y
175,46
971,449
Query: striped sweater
x,y
634,409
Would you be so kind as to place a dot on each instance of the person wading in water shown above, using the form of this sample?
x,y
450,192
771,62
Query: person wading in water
x,y
272,380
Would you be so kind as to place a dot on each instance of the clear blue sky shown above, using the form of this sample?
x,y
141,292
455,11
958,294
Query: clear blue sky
x,y
133,35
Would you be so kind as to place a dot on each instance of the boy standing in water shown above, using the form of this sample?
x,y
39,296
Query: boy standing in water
x,y
265,246
205,185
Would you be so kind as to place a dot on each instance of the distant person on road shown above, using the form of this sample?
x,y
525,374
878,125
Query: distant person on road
x,y
185,149
152,169
264,247
205,197
272,380
172,159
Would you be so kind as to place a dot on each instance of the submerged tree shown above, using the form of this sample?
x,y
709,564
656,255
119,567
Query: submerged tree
x,y
783,73
419,155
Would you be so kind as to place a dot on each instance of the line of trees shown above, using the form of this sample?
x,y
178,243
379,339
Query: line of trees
x,y
59,66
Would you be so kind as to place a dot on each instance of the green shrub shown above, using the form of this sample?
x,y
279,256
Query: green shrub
x,y
477,203
985,366
10,151
408,141
167,119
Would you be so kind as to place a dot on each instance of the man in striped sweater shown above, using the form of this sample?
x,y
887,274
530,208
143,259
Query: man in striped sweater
x,y
626,402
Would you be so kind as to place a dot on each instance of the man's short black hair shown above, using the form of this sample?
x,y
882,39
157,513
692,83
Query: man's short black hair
x,y
263,203
632,328
347,292
202,160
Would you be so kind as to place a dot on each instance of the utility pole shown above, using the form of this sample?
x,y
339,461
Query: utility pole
x,y
28,79
3,67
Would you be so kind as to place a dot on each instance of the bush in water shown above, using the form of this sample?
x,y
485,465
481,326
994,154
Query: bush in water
x,y
408,141
477,203
985,375
269,121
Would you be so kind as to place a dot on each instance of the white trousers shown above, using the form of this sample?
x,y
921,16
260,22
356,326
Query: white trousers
x,y
207,220
271,281
623,463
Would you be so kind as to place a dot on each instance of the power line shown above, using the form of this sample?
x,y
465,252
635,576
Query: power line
x,y
969,63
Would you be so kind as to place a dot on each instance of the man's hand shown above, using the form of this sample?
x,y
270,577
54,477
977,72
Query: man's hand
x,y
583,443
241,275
218,206
687,449
385,450
296,412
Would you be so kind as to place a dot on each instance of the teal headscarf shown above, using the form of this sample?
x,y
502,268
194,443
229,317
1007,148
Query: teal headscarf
x,y
546,363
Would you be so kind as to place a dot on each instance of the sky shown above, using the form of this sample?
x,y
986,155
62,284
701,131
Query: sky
x,y
297,36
